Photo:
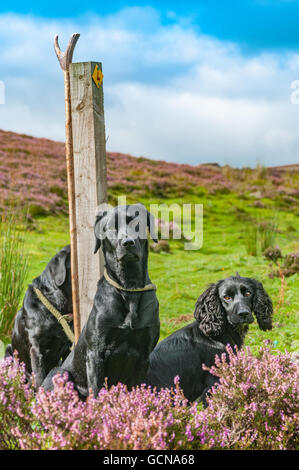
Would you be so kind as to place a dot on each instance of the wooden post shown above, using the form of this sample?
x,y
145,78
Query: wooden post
x,y
89,150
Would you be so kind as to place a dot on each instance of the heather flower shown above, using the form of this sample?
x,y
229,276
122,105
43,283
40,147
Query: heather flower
x,y
141,418
15,401
33,172
255,405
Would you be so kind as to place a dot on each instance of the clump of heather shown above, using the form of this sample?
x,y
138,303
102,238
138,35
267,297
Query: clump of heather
x,y
117,419
272,254
255,404
15,403
291,264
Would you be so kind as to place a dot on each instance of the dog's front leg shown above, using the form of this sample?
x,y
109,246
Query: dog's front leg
x,y
210,382
37,364
95,371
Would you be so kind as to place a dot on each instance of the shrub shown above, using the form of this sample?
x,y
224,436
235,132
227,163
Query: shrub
x,y
289,267
118,419
16,398
168,230
291,264
255,404
273,254
162,245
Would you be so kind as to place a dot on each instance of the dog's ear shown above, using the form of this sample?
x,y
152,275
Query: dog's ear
x,y
262,306
150,221
98,229
209,312
58,267
151,226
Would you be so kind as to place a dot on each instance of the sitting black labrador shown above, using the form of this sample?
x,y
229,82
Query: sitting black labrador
x,y
223,313
37,336
123,326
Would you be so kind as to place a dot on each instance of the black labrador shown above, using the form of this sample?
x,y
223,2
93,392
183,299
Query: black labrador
x,y
123,326
223,313
37,336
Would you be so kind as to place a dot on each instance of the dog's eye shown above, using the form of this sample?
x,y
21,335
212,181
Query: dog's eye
x,y
227,297
247,294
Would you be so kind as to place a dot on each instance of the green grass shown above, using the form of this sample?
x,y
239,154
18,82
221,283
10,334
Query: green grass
x,y
13,266
181,276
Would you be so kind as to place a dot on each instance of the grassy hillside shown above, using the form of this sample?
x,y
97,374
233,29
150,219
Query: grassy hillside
x,y
235,202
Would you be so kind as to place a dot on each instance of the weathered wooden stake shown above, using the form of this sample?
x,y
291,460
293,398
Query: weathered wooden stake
x,y
65,58
89,149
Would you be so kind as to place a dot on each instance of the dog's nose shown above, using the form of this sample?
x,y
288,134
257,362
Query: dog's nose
x,y
127,242
243,313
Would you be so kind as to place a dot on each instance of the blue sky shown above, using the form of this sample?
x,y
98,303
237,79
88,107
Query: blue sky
x,y
254,24
191,81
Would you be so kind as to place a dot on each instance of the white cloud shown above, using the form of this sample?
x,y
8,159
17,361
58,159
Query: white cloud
x,y
170,93
190,127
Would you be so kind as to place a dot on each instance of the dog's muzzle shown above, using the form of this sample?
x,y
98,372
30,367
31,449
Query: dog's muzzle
x,y
242,316
128,256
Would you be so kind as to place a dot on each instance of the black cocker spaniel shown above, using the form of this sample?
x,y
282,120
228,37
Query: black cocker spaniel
x,y
222,315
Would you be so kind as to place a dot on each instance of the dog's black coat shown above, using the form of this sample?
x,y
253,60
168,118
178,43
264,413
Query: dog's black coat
x,y
37,336
222,315
123,327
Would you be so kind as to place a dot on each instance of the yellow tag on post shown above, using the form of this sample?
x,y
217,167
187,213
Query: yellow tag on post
x,y
97,76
